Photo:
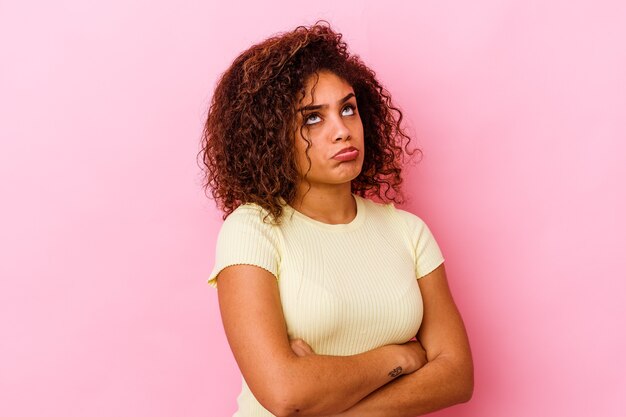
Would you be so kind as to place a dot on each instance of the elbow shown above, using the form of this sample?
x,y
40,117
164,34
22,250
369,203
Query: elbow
x,y
286,413
279,406
460,388
465,386
466,391
284,402
294,403
279,411
288,394
459,392
284,410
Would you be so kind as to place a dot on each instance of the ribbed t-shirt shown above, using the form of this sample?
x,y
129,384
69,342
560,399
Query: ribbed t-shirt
x,y
344,288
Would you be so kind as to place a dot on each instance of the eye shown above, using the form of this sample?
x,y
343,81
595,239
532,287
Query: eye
x,y
348,110
312,119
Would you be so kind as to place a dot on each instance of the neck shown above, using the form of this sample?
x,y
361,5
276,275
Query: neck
x,y
332,205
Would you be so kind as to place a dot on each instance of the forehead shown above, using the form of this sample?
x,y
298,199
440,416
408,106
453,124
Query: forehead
x,y
325,87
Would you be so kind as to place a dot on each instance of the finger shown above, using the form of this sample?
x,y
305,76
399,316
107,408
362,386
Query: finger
x,y
304,345
299,351
301,348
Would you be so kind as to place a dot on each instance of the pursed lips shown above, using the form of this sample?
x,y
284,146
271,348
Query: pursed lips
x,y
346,154
344,150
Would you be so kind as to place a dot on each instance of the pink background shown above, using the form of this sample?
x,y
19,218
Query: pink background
x,y
107,239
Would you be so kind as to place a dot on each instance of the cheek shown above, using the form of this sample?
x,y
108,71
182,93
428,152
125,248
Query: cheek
x,y
357,126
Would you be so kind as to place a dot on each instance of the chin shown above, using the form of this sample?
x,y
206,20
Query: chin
x,y
353,176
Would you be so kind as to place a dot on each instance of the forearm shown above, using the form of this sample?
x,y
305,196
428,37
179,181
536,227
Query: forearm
x,y
322,385
438,384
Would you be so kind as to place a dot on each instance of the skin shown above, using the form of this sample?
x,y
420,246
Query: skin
x,y
446,378
325,194
286,376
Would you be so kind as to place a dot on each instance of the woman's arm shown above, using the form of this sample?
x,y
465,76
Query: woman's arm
x,y
287,384
447,378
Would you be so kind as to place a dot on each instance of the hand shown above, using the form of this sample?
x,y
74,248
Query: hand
x,y
416,356
301,348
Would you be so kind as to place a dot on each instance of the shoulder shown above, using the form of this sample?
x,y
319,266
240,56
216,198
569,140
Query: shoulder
x,y
247,237
427,253
412,221
375,208
249,223
417,228
249,218
250,212
407,220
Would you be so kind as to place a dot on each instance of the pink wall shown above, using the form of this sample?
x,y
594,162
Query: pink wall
x,y
107,240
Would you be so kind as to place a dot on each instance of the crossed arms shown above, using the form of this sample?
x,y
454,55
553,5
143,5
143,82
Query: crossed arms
x,y
288,379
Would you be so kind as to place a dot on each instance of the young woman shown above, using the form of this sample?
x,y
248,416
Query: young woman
x,y
334,302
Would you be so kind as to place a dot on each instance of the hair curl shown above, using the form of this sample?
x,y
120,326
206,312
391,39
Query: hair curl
x,y
248,152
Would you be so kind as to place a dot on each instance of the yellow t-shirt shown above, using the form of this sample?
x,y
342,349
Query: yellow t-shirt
x,y
344,288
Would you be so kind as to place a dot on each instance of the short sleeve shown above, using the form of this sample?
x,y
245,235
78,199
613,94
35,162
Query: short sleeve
x,y
427,254
245,239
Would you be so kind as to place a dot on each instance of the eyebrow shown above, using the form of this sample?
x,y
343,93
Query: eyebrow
x,y
323,106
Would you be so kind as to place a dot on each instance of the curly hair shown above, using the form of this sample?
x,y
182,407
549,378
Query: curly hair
x,y
248,152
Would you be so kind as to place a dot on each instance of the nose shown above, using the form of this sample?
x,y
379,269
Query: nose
x,y
341,131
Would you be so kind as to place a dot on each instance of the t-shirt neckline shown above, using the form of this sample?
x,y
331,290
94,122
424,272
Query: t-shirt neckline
x,y
354,223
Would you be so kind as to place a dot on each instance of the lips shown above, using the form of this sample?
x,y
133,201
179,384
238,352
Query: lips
x,y
347,154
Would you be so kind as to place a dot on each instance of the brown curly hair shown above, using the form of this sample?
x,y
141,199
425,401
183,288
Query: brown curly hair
x,y
248,152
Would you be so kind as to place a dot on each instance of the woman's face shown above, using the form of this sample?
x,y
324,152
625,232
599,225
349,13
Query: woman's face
x,y
331,123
